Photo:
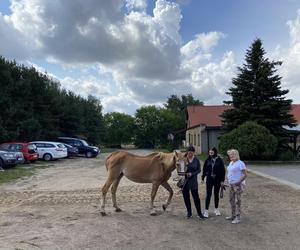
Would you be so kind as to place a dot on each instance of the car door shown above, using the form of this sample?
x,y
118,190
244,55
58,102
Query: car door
x,y
78,144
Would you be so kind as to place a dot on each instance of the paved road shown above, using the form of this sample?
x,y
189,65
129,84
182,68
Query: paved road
x,y
287,174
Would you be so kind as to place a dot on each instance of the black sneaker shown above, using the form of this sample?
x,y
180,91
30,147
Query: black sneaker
x,y
188,216
201,217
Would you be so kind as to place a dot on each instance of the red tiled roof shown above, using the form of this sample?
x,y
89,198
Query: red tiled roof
x,y
210,115
296,112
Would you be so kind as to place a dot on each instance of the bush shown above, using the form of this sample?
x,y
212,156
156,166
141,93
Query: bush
x,y
253,141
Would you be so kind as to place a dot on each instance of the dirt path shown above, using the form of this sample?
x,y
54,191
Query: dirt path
x,y
58,208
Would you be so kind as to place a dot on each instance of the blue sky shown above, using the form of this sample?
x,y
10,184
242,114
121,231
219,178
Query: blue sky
x,y
136,52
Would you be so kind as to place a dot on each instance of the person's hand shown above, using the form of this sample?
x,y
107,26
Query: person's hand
x,y
188,175
222,183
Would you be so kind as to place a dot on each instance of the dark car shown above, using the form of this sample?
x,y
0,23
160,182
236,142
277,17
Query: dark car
x,y
11,159
72,151
83,147
29,150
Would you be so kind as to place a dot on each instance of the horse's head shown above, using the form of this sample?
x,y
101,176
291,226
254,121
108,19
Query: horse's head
x,y
181,161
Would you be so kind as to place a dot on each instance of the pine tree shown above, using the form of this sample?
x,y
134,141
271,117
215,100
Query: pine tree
x,y
257,94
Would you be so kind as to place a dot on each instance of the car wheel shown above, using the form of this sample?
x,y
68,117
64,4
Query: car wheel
x,y
89,154
47,157
1,164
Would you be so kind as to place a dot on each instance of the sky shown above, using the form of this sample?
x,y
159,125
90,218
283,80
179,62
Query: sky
x,y
133,53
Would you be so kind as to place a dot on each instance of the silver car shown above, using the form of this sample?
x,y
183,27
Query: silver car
x,y
8,158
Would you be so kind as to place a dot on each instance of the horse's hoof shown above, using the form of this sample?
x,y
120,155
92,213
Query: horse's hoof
x,y
103,213
164,207
118,210
153,213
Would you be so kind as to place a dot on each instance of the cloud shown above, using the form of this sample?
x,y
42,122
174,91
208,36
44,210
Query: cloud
x,y
143,54
291,60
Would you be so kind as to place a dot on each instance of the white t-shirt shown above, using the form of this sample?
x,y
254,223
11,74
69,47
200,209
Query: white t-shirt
x,y
234,171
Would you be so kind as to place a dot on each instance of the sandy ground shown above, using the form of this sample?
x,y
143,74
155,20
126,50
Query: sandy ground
x,y
58,208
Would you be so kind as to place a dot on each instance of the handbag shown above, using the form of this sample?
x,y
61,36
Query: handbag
x,y
180,183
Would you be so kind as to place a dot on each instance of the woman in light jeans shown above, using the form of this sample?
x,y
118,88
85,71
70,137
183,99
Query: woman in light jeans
x,y
236,175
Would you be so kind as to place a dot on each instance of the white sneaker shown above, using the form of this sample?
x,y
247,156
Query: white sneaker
x,y
217,212
205,214
236,221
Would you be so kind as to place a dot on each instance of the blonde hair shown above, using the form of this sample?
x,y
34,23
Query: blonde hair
x,y
234,153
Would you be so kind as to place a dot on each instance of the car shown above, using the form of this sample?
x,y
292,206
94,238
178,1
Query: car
x,y
49,150
83,147
72,151
10,159
29,150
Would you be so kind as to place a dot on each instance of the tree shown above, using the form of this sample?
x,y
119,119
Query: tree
x,y
257,94
147,122
119,129
178,107
252,140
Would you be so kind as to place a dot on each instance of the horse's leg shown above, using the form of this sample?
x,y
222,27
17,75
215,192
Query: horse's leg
x,y
104,190
114,191
167,186
153,193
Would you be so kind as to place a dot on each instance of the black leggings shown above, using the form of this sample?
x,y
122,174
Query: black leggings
x,y
187,201
210,184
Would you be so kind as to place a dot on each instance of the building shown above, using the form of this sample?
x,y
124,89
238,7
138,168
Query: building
x,y
204,124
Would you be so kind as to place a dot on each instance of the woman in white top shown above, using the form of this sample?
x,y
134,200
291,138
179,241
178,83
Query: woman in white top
x,y
236,175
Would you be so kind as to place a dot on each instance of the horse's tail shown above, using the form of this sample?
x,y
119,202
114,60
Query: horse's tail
x,y
107,159
110,160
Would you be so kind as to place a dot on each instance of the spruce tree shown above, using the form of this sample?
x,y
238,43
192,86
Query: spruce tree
x,y
257,94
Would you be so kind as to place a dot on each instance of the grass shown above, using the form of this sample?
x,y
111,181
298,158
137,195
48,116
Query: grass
x,y
14,173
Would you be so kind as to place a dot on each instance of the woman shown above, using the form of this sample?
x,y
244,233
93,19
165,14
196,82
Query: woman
x,y
214,171
191,183
236,175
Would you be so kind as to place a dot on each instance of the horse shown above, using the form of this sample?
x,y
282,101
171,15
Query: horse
x,y
155,168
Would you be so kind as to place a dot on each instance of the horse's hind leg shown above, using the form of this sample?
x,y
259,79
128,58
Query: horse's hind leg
x,y
114,191
167,186
104,190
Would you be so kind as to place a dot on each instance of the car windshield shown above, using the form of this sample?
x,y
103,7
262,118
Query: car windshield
x,y
31,146
84,142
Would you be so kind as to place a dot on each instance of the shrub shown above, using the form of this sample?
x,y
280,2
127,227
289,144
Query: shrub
x,y
253,141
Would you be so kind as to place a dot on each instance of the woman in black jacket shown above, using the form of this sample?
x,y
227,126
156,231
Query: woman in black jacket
x,y
214,171
191,183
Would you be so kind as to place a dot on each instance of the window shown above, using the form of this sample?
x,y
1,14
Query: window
x,y
199,140
194,140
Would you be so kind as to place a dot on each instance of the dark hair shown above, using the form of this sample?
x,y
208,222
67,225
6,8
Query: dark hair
x,y
190,149
215,151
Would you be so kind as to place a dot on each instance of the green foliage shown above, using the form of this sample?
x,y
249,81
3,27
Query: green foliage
x,y
34,106
153,125
257,94
253,142
119,129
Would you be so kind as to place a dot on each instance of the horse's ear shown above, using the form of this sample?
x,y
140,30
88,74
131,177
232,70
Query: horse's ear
x,y
176,153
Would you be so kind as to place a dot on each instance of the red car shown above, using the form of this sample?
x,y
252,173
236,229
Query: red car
x,y
29,150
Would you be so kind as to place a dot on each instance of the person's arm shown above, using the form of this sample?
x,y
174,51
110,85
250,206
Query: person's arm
x,y
222,172
204,170
244,176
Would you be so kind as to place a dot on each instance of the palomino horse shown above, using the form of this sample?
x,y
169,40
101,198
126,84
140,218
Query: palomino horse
x,y
155,168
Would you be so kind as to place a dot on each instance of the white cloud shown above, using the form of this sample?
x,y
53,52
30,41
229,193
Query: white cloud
x,y
143,54
291,61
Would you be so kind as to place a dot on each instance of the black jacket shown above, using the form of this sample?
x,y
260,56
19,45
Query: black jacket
x,y
194,168
218,169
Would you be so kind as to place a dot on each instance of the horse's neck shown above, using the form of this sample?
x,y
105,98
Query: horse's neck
x,y
169,161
